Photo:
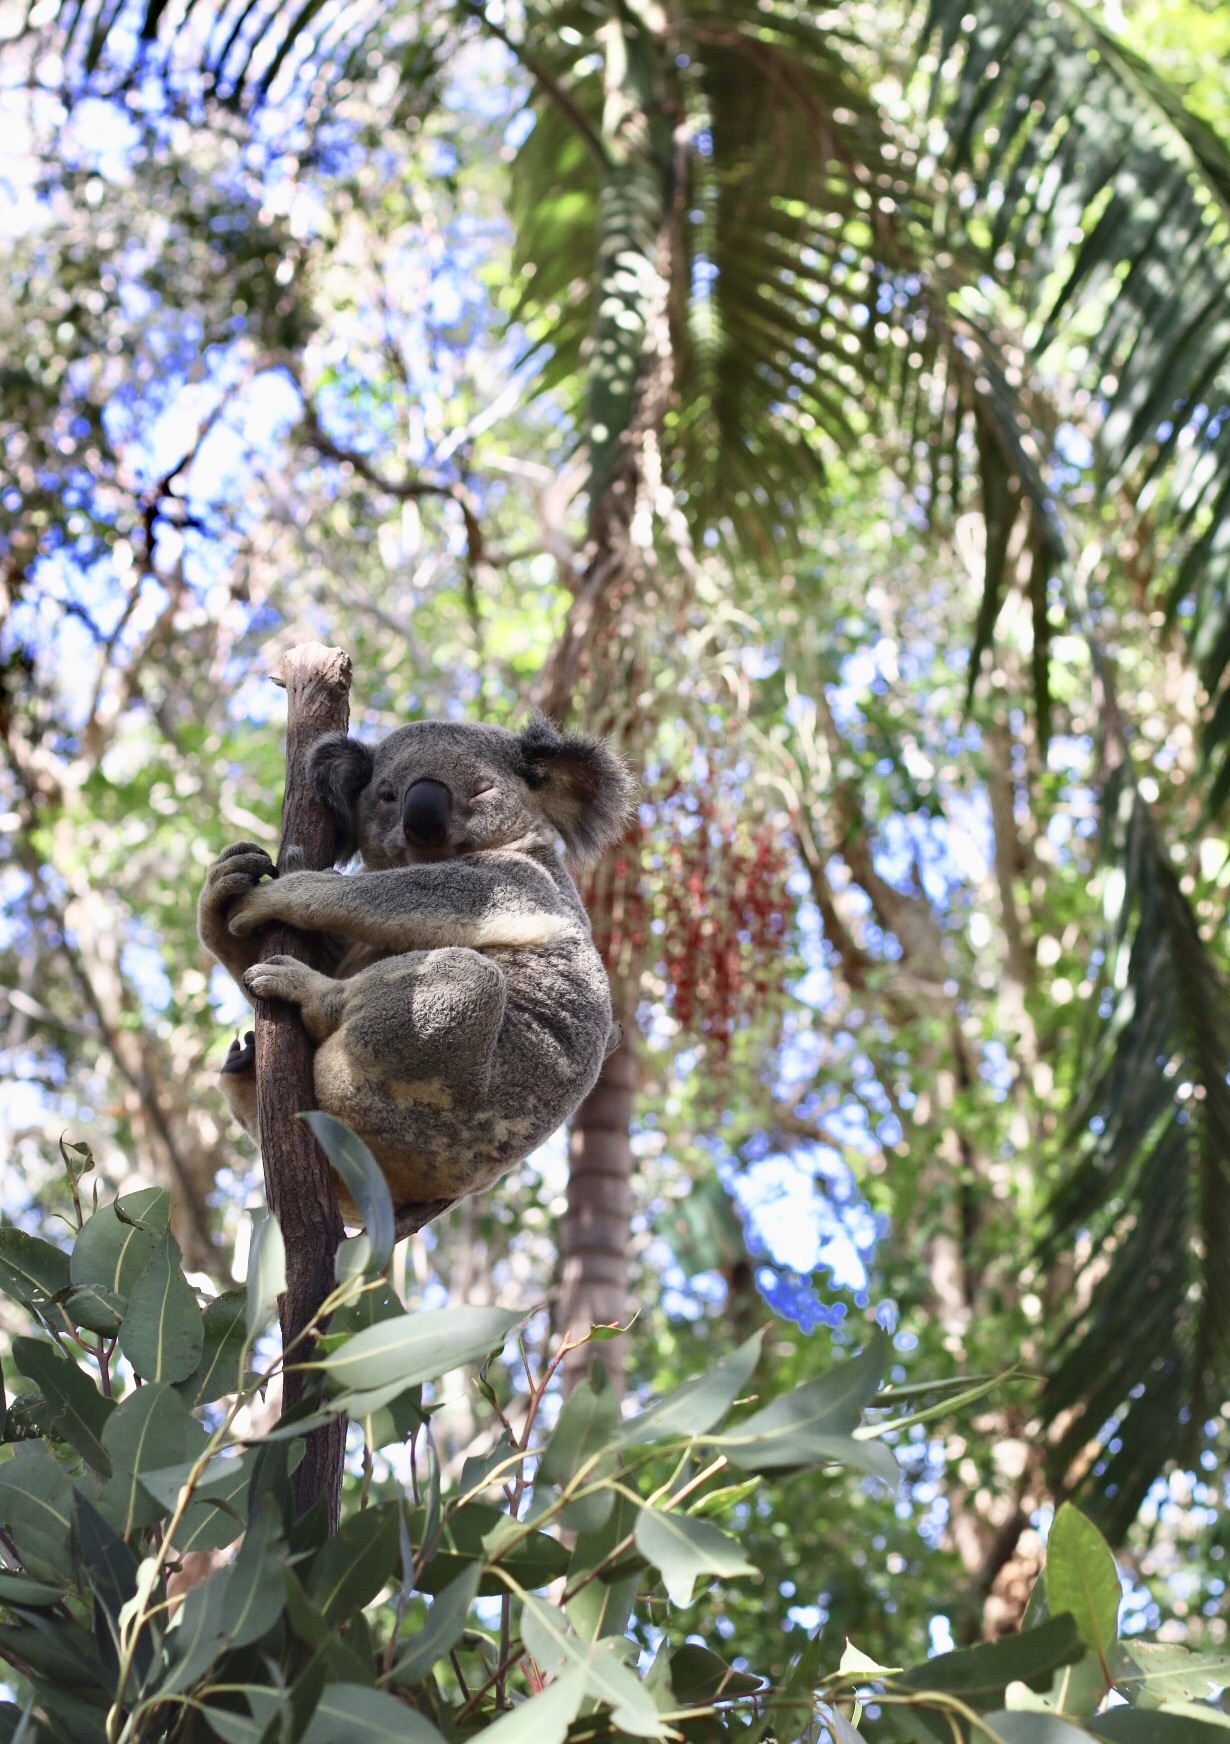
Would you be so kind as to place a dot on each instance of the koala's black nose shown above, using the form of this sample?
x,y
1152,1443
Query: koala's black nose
x,y
426,814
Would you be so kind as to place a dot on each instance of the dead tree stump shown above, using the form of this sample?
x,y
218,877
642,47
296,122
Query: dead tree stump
x,y
298,1178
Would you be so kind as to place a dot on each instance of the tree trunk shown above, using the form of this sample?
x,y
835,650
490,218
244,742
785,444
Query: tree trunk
x,y
594,1239
298,1179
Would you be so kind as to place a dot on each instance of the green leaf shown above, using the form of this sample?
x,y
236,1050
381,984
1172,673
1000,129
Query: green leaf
x,y
443,1629
349,1713
266,1270
234,1607
684,1550
96,1309
234,1728
544,1719
1134,1726
31,1270
149,1429
581,1443
1027,1728
1079,1689
1081,1579
355,1563
61,1654
111,1570
19,1589
35,1505
364,1180
418,1347
535,1561
163,1332
546,1633
79,1412
700,1676
217,1515
115,1245
980,1675
700,1404
221,1368
1151,1672
812,1425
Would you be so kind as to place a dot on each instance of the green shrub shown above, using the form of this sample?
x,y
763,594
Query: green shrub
x,y
569,1536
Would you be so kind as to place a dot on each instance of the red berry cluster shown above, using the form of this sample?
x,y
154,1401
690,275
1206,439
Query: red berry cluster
x,y
726,911
614,894
715,881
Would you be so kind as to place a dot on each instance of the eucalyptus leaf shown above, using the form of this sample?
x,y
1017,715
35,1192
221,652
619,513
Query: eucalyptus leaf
x,y
548,1636
234,1607
355,1563
418,1347
266,1270
21,1590
544,1719
364,1180
349,1713
468,1536
442,1630
812,1425
700,1675
1148,1726
115,1245
980,1675
163,1333
700,1404
1151,1672
580,1449
31,1270
1081,1578
223,1353
1026,1728
149,1429
111,1570
79,1412
97,1310
36,1506
684,1550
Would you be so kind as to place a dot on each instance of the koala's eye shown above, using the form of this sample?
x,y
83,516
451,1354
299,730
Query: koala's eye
x,y
386,796
483,793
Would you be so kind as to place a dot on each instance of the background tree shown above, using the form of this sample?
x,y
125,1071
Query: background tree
x,y
916,1041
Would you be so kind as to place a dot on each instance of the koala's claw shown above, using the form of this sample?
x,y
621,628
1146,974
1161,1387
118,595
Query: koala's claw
x,y
242,1054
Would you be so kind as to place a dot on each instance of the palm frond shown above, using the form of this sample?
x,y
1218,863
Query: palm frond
x,y
1103,205
1144,1363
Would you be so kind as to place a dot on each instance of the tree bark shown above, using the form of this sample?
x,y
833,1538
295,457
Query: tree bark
x,y
594,1240
298,1179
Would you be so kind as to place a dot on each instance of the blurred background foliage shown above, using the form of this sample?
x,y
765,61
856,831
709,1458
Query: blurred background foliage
x,y
325,323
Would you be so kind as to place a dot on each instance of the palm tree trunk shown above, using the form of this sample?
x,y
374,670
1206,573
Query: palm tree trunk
x,y
630,388
595,1236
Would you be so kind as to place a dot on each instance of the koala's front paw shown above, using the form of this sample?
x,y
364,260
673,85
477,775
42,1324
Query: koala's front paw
x,y
280,978
237,870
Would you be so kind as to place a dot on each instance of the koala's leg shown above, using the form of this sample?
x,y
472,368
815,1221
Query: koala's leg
x,y
320,998
238,1083
418,1032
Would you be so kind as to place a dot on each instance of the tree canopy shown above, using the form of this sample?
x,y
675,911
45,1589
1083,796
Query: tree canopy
x,y
833,408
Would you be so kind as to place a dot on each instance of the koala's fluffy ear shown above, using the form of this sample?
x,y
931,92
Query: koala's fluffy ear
x,y
339,768
583,788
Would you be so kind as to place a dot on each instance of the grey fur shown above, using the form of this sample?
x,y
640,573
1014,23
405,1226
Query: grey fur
x,y
467,1013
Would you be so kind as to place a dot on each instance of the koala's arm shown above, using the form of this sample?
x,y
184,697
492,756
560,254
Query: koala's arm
x,y
492,902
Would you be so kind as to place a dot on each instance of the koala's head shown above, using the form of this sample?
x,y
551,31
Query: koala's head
x,y
437,789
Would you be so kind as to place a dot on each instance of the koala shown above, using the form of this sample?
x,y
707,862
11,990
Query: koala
x,y
466,1013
